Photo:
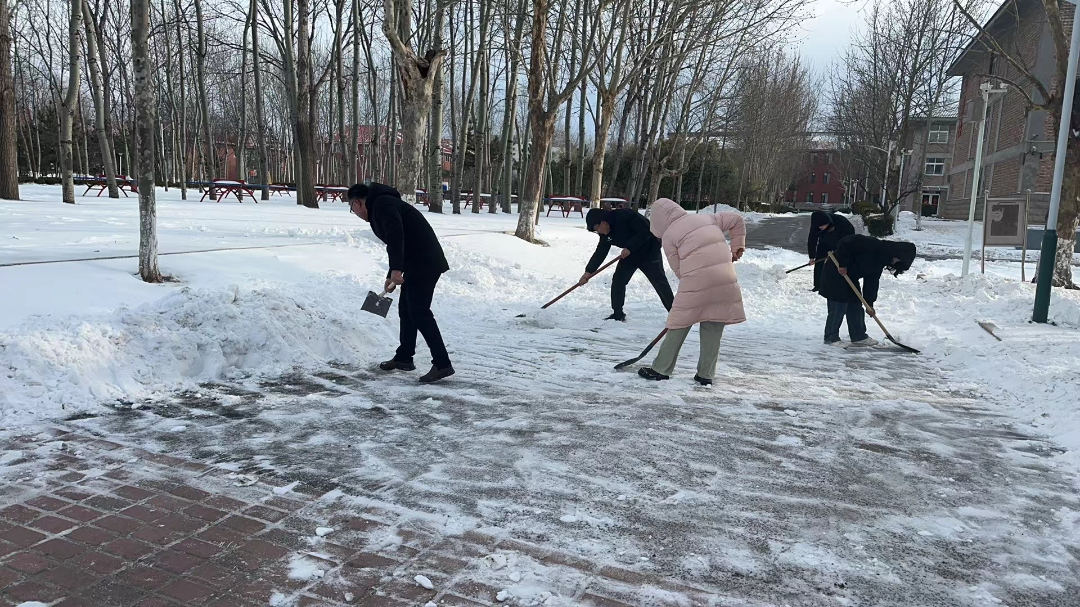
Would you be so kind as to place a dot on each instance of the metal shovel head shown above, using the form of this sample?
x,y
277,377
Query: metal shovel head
x,y
376,305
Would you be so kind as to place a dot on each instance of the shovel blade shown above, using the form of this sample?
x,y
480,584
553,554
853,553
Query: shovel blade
x,y
376,305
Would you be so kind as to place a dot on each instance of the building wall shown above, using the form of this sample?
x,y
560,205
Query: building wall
x,y
915,177
818,164
1018,147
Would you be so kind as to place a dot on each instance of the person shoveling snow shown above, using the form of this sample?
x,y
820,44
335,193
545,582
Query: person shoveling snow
x,y
416,257
709,293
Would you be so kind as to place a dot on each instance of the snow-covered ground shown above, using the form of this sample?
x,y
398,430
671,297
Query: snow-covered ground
x,y
943,237
81,337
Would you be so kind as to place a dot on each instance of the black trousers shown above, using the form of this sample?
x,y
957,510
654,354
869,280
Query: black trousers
x,y
414,308
652,266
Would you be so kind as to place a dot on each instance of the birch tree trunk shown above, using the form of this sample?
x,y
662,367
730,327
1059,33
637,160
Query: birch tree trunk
x,y
99,102
146,111
70,101
417,77
434,189
9,150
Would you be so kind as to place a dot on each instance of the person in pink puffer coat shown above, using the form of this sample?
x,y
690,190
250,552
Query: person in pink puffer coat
x,y
699,255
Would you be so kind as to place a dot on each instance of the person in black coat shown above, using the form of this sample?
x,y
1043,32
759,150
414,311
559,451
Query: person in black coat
x,y
865,258
826,229
628,229
416,264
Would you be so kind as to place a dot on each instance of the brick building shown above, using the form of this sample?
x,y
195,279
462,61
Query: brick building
x,y
1019,144
820,184
929,180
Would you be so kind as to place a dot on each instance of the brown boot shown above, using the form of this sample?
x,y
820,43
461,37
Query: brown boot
x,y
435,374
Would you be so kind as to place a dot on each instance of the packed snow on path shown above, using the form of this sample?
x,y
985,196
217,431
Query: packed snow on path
x,y
832,473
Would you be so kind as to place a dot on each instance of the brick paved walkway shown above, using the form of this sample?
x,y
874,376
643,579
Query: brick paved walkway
x,y
92,522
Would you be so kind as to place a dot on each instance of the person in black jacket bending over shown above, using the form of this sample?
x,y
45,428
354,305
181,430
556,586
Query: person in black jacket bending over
x,y
860,257
628,229
416,263
826,229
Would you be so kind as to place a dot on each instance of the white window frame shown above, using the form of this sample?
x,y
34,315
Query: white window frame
x,y
939,134
936,161
824,198
825,178
810,197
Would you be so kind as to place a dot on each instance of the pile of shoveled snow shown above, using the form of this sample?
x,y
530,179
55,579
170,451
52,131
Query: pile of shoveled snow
x,y
59,366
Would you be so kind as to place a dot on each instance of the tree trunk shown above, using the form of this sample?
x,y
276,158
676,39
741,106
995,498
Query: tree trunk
x,y
9,150
434,189
607,113
541,123
417,76
71,99
241,140
209,154
260,114
146,110
1068,218
354,132
305,110
99,102
183,134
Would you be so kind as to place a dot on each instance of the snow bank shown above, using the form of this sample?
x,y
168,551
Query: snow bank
x,y
748,216
60,366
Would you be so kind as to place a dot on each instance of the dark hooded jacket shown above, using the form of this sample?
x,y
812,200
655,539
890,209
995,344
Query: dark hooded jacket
x,y
629,230
865,258
411,244
820,242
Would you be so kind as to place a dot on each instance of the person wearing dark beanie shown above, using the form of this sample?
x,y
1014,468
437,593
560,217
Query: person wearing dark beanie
x,y
628,229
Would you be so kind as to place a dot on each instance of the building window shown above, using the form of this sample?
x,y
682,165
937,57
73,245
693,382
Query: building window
x,y
939,133
935,166
825,178
813,177
809,197
824,198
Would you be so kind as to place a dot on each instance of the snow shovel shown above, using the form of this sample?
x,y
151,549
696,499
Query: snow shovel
x,y
806,265
888,335
377,304
567,292
652,344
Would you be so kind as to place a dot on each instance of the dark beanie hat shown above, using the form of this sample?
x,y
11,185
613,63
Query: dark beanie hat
x,y
357,191
595,216
904,251
820,218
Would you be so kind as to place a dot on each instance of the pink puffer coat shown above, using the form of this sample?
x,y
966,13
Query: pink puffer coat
x,y
700,256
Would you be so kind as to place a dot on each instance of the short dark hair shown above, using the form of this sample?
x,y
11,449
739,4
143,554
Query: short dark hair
x,y
357,191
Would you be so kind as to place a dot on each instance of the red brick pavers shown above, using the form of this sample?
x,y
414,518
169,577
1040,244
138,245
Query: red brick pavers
x,y
95,523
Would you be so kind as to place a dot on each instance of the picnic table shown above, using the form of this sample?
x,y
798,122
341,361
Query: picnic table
x,y
279,188
226,187
331,192
100,183
567,204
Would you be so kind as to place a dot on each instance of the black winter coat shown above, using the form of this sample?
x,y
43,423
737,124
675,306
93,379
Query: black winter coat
x,y
820,242
629,230
865,258
411,244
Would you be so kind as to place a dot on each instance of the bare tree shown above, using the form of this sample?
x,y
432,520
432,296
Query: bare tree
x,y
146,108
417,76
9,151
70,101
92,56
209,154
435,132
545,99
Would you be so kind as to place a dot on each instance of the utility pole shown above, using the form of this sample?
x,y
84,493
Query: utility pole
x,y
986,89
1048,253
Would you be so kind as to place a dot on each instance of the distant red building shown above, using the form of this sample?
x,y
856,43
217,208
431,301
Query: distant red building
x,y
821,183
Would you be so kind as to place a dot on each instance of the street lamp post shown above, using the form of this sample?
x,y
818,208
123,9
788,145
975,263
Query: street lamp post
x,y
900,183
1048,253
986,89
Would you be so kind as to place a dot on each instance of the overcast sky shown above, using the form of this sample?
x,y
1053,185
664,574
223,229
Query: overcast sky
x,y
827,34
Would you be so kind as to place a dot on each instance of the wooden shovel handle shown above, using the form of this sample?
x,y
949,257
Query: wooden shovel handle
x,y
567,292
806,265
861,298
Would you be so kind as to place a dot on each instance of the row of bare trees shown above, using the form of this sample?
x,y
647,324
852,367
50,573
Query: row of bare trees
x,y
616,98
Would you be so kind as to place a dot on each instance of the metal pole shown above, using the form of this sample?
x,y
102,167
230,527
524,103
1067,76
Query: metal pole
x,y
1023,248
1048,254
899,186
975,180
885,177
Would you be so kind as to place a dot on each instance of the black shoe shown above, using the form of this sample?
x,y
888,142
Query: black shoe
x,y
397,365
648,373
619,316
435,374
701,380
